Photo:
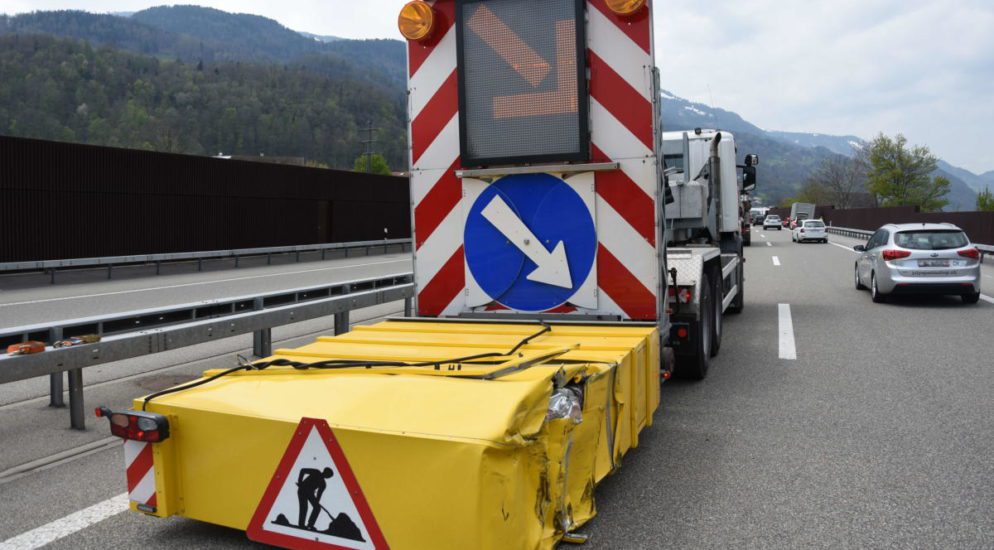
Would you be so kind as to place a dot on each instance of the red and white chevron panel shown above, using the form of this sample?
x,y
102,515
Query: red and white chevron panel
x,y
140,472
621,62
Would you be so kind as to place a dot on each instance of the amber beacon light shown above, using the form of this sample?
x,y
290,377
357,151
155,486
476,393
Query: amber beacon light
x,y
625,7
416,20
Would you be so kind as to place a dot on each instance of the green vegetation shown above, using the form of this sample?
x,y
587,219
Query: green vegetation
x,y
377,164
985,200
900,176
67,90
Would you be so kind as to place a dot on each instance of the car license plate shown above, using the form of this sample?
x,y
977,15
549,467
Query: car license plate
x,y
933,263
932,273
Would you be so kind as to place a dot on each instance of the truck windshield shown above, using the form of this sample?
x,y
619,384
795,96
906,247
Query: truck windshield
x,y
931,240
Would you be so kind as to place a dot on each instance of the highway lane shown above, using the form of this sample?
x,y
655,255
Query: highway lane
x,y
21,306
878,434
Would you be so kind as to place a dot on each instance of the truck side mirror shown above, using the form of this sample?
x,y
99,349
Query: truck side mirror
x,y
752,160
748,178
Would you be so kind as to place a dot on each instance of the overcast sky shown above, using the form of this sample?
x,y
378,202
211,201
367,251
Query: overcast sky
x,y
924,68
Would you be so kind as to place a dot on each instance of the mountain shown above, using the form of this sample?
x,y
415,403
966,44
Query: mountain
x,y
787,159
321,38
680,114
218,42
841,145
65,90
194,34
232,35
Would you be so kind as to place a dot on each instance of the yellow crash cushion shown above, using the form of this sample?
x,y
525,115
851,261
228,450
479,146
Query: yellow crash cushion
x,y
446,457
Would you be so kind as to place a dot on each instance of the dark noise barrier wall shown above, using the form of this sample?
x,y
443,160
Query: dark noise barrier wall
x,y
979,226
62,200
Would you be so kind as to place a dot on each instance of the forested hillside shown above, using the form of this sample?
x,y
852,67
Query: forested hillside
x,y
67,90
202,81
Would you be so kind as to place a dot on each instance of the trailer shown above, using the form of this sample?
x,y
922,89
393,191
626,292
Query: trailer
x,y
561,261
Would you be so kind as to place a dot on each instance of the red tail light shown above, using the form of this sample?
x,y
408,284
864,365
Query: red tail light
x,y
136,425
891,255
971,253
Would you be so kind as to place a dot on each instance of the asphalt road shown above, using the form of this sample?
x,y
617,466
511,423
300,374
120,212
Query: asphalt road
x,y
879,434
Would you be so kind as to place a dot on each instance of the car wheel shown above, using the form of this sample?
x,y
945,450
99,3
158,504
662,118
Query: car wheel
x,y
859,284
971,298
875,294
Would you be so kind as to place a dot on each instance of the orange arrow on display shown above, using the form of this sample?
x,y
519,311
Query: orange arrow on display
x,y
509,46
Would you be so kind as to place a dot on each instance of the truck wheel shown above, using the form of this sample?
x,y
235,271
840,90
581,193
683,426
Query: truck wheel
x,y
738,303
695,366
717,298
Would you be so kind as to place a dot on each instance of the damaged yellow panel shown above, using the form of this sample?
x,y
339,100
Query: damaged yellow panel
x,y
502,451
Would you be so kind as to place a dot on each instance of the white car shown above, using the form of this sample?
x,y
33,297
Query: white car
x,y
772,221
809,230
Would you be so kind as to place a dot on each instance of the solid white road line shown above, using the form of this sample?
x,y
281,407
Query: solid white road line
x,y
849,248
219,281
776,261
51,532
768,243
787,349
987,298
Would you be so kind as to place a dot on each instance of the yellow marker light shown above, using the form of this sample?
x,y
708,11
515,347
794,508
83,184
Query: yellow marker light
x,y
416,20
625,7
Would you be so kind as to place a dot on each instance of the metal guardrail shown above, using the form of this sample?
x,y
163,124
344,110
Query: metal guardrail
x,y
846,232
142,332
402,245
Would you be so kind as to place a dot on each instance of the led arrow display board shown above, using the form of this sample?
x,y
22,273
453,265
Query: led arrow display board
x,y
522,81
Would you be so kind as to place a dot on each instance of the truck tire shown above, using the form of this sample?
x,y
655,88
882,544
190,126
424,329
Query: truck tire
x,y
694,366
717,321
738,303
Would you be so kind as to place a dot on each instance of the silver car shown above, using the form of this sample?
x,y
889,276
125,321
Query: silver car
x,y
917,258
809,230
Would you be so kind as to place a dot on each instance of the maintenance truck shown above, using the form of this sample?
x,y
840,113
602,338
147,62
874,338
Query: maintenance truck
x,y
552,291
704,240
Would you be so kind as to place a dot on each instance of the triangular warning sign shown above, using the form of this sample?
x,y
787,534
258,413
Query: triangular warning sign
x,y
314,500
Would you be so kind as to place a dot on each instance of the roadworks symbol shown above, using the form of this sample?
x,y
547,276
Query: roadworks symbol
x,y
313,499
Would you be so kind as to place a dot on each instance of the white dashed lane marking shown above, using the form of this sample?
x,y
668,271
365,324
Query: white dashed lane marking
x,y
776,261
787,348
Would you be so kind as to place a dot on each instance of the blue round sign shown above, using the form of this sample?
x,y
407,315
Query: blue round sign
x,y
530,241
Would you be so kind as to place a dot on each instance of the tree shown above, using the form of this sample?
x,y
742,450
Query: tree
x,y
985,200
378,165
900,176
842,179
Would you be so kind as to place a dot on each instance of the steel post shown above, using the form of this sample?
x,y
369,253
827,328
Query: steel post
x,y
76,417
55,379
341,323
408,302
55,390
52,276
262,342
110,271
